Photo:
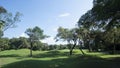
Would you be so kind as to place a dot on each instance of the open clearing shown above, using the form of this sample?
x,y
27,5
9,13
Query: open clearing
x,y
57,59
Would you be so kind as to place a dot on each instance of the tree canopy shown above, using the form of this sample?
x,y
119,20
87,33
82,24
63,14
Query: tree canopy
x,y
7,19
102,19
35,34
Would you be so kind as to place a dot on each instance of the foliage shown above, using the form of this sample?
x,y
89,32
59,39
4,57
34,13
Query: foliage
x,y
35,34
102,23
64,34
7,20
4,44
72,36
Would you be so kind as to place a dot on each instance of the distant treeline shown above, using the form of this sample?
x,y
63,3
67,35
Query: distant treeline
x,y
22,42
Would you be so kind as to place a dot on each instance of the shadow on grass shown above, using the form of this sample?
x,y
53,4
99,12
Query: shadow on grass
x,y
71,62
39,55
54,54
12,55
51,54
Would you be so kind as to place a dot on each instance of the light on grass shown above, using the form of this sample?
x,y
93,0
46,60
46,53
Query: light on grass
x,y
54,59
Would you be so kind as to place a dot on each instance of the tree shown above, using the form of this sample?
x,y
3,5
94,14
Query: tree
x,y
2,10
105,18
35,34
80,35
112,39
74,39
7,20
108,11
87,26
4,44
1,26
71,36
65,35
24,42
15,43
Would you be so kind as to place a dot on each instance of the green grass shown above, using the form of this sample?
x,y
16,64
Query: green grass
x,y
57,59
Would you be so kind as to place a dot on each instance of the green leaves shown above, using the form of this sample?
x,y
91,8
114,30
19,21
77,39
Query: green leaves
x,y
64,34
35,33
2,10
7,20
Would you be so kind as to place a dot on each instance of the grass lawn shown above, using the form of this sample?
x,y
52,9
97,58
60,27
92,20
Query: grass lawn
x,y
57,59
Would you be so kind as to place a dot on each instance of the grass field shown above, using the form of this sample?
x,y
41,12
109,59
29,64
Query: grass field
x,y
57,59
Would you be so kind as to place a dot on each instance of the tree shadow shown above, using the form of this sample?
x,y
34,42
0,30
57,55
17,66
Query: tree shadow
x,y
51,54
12,55
71,62
48,54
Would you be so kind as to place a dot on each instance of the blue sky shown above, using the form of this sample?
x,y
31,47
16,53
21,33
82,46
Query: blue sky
x,y
47,14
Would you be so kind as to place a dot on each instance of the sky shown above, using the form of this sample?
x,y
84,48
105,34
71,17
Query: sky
x,y
49,15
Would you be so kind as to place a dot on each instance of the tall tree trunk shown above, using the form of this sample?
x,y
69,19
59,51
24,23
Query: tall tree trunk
x,y
82,51
72,48
69,45
114,49
114,46
80,43
31,46
89,46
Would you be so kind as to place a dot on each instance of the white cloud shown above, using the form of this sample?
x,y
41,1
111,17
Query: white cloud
x,y
23,35
51,40
55,29
64,15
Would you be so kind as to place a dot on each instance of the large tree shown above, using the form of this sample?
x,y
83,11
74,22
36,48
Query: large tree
x,y
105,18
4,44
107,11
7,20
65,34
35,34
71,36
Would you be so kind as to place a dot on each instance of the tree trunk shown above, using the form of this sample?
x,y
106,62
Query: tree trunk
x,y
114,48
69,45
31,46
71,52
89,46
82,51
80,43
72,48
